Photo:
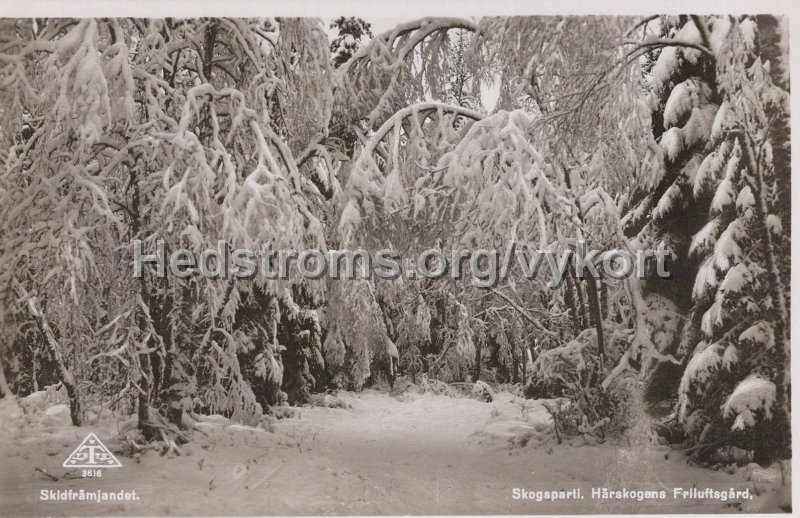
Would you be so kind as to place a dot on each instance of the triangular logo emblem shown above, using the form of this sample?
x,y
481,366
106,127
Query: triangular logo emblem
x,y
92,453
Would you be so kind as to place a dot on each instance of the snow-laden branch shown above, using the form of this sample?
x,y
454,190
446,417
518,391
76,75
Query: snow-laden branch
x,y
421,29
656,42
525,314
643,21
416,110
371,82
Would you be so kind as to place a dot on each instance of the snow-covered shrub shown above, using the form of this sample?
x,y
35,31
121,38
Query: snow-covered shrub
x,y
434,386
573,363
329,401
482,391
566,419
573,371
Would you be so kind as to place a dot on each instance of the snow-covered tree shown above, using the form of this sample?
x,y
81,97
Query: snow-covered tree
x,y
720,104
351,32
160,130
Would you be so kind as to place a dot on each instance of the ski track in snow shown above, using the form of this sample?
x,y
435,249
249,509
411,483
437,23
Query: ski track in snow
x,y
419,454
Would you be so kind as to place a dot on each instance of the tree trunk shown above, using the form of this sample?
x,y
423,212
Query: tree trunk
x,y
582,324
145,368
762,454
146,371
597,315
4,388
34,369
514,365
570,301
143,401
55,352
477,370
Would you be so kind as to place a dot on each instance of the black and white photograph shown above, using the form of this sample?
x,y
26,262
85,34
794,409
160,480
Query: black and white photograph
x,y
385,259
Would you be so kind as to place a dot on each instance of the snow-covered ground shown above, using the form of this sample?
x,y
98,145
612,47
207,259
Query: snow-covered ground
x,y
416,454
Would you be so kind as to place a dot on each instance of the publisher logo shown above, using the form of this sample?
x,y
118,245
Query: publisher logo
x,y
92,453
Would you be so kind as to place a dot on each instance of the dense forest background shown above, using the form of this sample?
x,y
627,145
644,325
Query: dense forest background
x,y
626,132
